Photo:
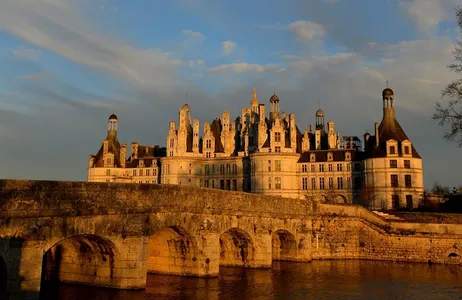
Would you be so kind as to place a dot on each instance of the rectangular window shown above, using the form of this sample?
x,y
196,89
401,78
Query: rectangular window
x,y
269,183
228,184
393,163
277,149
108,172
321,168
222,169
141,172
134,172
222,184
206,183
339,168
407,164
148,172
207,154
277,183
348,167
407,181
154,172
206,170
313,168
304,183
234,169
277,137
330,167
269,165
313,183
348,182
208,144
340,183
406,150
234,185
304,168
331,183
321,183
394,180
172,143
392,150
228,169
213,184
394,201
409,204
278,165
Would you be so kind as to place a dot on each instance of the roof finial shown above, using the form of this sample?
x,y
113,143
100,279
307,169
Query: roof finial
x,y
319,103
254,96
387,82
274,91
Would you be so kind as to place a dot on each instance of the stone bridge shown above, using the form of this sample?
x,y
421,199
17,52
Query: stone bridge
x,y
112,235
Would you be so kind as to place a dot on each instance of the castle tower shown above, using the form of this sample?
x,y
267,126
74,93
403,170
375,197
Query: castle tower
x,y
274,107
112,125
319,131
254,102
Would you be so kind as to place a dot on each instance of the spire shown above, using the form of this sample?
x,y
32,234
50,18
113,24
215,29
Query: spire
x,y
254,94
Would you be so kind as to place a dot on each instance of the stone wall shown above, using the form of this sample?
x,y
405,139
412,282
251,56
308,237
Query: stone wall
x,y
117,233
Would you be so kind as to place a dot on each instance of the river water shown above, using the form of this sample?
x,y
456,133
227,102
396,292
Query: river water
x,y
288,280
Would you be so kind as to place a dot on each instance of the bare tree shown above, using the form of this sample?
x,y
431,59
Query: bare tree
x,y
368,196
452,113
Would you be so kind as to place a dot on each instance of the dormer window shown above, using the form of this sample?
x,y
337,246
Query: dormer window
x,y
329,156
406,150
277,137
392,150
312,157
348,156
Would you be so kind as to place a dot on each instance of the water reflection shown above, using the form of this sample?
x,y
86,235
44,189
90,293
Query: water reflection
x,y
289,280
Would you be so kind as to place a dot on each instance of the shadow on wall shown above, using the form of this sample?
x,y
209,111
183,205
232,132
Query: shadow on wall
x,y
10,279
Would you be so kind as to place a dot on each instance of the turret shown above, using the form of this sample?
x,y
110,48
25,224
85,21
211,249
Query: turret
x,y
112,125
274,107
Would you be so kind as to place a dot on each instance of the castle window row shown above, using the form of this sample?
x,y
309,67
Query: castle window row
x,y
227,169
394,179
222,184
144,172
340,183
394,164
330,167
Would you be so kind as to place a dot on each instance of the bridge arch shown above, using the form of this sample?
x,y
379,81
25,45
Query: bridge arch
x,y
172,250
236,248
82,259
284,245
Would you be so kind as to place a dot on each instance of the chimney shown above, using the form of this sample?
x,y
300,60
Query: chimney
x,y
376,133
123,155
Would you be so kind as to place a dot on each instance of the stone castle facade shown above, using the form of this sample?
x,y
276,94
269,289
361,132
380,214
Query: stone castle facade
x,y
268,154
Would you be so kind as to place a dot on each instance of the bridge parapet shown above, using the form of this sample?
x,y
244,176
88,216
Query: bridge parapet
x,y
24,198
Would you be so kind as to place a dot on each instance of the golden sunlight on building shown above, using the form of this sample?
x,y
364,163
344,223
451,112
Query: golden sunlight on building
x,y
271,156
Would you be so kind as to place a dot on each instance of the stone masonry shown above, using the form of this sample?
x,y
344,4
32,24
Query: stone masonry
x,y
111,234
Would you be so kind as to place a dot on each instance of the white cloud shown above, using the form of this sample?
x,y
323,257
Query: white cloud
x,y
59,27
228,47
243,67
427,14
193,34
306,30
26,53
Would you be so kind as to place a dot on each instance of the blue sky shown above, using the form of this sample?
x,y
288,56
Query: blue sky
x,y
66,65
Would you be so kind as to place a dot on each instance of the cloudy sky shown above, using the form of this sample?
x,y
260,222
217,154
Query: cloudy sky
x,y
65,66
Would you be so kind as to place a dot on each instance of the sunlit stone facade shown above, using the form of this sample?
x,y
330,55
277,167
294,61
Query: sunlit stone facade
x,y
266,153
